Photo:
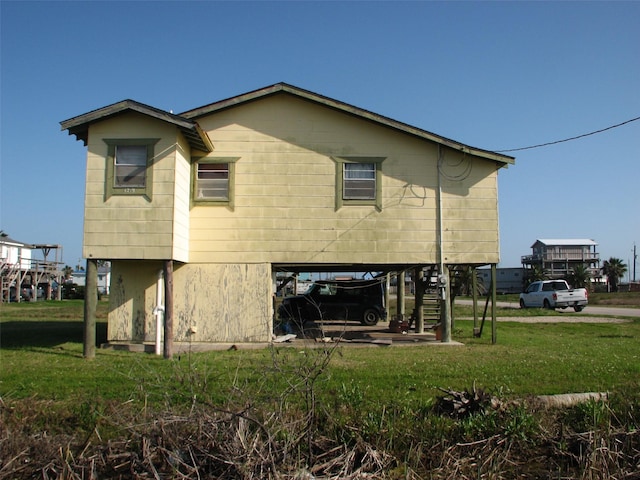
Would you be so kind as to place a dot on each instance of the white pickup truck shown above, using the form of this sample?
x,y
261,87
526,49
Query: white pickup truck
x,y
554,294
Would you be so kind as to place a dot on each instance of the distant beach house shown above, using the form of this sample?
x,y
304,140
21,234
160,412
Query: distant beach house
x,y
15,262
104,278
24,277
558,257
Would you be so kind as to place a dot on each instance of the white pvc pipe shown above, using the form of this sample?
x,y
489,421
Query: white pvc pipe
x,y
158,311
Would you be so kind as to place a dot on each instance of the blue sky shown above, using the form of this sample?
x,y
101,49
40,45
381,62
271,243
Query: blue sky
x,y
494,75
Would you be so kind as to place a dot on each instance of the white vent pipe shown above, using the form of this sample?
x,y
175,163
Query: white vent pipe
x,y
158,311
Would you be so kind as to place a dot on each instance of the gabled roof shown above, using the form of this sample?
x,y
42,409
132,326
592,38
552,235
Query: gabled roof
x,y
79,126
284,88
198,139
565,242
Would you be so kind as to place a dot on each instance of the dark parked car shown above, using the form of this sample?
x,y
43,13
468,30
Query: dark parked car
x,y
361,300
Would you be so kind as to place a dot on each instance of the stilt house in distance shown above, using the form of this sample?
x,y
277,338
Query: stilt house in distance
x,y
277,179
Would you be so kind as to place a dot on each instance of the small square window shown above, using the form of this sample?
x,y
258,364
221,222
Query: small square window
x,y
359,181
213,181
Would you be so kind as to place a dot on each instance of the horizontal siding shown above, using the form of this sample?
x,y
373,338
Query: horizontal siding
x,y
127,240
284,207
131,226
181,202
134,229
285,192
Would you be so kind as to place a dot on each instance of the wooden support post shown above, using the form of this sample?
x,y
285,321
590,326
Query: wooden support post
x,y
90,308
59,289
474,287
494,325
34,285
168,308
418,312
19,280
445,305
400,307
387,296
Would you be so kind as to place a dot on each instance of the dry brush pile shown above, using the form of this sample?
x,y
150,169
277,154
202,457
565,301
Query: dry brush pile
x,y
297,433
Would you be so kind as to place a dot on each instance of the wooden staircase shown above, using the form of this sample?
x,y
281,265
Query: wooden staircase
x,y
9,275
431,308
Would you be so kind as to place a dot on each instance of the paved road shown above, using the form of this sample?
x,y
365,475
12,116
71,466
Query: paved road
x,y
589,309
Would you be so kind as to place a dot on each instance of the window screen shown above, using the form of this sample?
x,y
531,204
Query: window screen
x,y
359,181
130,166
213,181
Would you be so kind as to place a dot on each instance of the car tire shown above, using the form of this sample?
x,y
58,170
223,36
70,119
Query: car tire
x,y
546,304
578,308
370,317
522,304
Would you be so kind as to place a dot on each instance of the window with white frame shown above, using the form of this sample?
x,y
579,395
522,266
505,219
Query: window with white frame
x,y
359,181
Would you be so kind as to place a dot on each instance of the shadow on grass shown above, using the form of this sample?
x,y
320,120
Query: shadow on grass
x,y
47,334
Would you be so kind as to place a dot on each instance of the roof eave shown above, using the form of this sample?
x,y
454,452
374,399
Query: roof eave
x,y
504,160
79,126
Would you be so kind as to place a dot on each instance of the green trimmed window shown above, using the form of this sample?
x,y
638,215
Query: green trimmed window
x,y
358,181
213,181
129,166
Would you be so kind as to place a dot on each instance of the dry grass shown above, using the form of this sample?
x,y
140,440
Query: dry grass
x,y
505,440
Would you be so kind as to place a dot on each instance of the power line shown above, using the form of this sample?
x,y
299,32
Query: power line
x,y
568,139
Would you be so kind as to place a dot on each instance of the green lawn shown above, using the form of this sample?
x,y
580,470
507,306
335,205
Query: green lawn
x,y
41,357
293,406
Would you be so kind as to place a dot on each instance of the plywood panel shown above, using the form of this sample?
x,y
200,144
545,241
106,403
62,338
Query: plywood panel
x,y
213,303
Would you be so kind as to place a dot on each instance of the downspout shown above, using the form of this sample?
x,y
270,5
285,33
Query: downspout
x,y
440,223
158,311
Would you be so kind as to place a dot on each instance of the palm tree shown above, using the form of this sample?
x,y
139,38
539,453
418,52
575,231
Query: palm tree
x,y
67,271
535,274
580,277
462,281
614,269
